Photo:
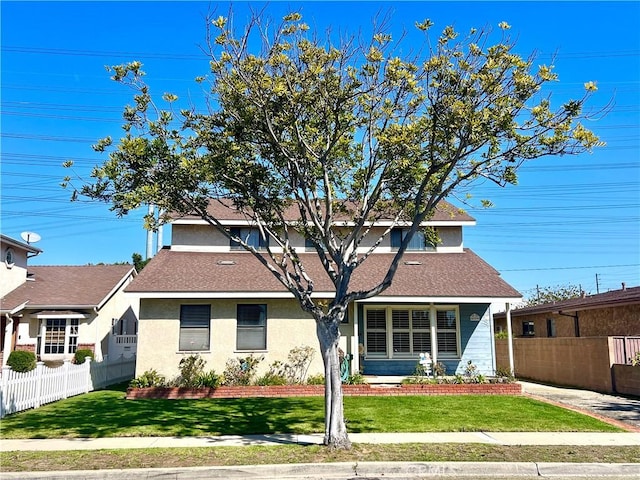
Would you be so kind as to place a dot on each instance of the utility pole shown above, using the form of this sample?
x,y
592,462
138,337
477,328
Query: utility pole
x,y
597,284
149,253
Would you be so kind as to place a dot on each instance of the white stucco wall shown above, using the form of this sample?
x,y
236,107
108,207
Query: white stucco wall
x,y
159,329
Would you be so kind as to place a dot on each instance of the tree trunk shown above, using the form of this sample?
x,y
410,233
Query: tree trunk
x,y
335,430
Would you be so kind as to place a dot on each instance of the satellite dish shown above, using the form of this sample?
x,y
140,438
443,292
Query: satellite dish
x,y
30,237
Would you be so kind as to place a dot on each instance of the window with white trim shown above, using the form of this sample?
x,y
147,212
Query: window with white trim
x,y
60,336
195,328
251,333
376,328
407,330
447,332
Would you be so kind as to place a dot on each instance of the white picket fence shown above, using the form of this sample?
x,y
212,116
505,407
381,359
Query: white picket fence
x,y
21,391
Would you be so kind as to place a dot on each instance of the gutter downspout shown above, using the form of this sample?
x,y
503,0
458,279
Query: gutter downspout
x,y
510,337
576,322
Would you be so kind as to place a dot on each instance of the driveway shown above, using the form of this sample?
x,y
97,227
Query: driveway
x,y
615,407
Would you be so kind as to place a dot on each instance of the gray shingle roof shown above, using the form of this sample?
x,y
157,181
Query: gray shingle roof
x,y
419,275
223,210
67,286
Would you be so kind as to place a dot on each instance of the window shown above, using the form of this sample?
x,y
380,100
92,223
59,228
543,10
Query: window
x,y
551,327
60,336
408,332
252,327
195,323
418,242
447,332
251,236
9,257
376,326
528,329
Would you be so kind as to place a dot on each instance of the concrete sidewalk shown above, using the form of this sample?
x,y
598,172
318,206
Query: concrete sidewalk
x,y
493,438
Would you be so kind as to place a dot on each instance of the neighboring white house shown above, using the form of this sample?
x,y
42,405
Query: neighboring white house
x,y
206,295
55,310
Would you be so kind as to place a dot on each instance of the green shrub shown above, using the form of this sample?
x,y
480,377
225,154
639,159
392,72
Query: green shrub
x,y
315,379
272,379
504,375
635,360
150,378
502,335
240,371
191,368
21,361
208,379
81,354
355,379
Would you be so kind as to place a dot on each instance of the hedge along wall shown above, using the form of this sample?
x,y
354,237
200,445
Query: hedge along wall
x,y
318,390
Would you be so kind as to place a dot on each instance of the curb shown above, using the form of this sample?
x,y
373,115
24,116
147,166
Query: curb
x,y
351,470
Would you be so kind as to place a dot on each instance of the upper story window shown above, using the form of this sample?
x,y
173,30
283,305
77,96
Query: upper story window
x,y
251,236
417,243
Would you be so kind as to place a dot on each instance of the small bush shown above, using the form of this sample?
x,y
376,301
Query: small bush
x,y
315,379
81,354
635,360
471,372
355,379
191,368
504,375
209,379
21,361
439,369
240,371
502,335
272,379
150,378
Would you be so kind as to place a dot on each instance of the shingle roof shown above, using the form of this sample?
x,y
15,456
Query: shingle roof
x,y
626,296
419,275
223,210
67,286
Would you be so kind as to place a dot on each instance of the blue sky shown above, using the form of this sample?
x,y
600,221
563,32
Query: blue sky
x,y
571,220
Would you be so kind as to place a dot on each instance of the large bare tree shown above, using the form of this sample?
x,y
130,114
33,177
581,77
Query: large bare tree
x,y
349,130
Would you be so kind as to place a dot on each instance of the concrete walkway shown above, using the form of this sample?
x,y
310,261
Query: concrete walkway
x,y
493,438
619,410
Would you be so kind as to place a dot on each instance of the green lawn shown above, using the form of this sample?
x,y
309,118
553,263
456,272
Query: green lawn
x,y
106,413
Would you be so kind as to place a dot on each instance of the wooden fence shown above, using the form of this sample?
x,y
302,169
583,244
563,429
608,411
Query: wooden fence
x,y
21,391
624,349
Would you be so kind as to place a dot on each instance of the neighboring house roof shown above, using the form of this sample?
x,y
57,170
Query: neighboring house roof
x,y
12,242
56,287
237,274
224,211
614,298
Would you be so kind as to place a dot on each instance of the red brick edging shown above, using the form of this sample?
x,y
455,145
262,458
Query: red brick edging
x,y
176,393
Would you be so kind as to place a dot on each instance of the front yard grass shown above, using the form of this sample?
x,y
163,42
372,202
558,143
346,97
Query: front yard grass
x,y
106,413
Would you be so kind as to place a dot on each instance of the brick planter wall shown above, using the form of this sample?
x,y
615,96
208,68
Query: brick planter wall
x,y
175,393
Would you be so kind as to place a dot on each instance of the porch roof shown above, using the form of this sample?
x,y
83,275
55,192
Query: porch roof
x,y
67,287
419,275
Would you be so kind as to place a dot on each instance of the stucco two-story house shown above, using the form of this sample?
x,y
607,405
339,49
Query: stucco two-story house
x,y
204,294
55,310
